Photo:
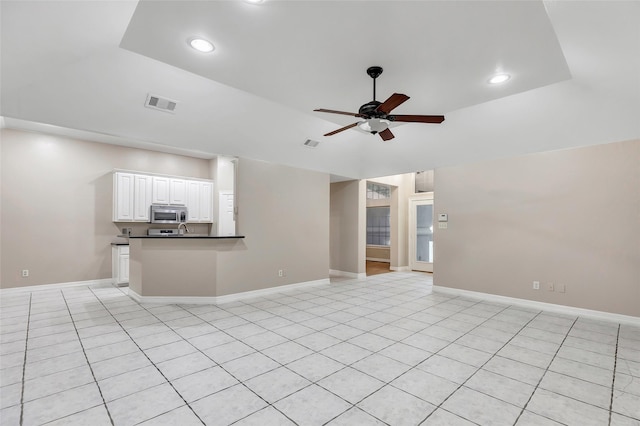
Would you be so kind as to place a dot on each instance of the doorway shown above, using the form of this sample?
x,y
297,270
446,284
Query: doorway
x,y
375,268
421,232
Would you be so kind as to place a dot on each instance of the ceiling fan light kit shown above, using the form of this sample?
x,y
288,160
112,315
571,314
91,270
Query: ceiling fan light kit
x,y
377,115
374,125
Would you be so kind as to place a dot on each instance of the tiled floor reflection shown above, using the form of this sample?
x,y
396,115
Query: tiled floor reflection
x,y
386,350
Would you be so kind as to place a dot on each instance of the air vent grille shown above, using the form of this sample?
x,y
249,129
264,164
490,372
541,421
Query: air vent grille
x,y
311,144
161,104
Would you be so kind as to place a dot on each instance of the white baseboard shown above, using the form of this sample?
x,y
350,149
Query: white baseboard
x,y
400,268
170,300
216,300
271,290
552,307
56,286
354,275
376,259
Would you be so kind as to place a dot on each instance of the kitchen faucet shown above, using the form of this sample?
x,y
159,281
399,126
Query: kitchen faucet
x,y
186,230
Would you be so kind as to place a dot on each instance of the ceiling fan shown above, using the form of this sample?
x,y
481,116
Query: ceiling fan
x,y
377,115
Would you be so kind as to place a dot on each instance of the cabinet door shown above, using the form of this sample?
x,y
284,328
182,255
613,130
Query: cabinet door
x,y
160,191
193,201
120,264
123,266
206,202
142,197
178,191
123,210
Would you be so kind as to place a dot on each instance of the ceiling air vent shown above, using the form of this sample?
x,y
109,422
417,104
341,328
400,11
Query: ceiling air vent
x,y
311,144
161,104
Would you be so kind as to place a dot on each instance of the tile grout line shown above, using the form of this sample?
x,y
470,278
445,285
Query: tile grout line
x,y
198,350
181,307
152,363
24,361
545,372
388,383
378,351
241,382
475,303
311,383
305,297
343,309
259,351
67,310
87,359
220,365
485,363
613,382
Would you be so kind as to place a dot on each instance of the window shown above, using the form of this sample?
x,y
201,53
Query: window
x,y
379,226
424,181
377,192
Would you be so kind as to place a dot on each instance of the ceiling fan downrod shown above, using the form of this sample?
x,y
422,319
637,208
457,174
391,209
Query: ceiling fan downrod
x,y
374,72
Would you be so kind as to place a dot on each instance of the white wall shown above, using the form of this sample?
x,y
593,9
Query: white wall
x,y
57,195
284,214
56,217
348,227
568,217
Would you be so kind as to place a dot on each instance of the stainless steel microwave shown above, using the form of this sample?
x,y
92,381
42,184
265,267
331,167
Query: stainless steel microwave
x,y
163,213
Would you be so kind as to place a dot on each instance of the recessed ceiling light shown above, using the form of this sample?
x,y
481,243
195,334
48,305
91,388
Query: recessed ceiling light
x,y
201,45
499,78
254,1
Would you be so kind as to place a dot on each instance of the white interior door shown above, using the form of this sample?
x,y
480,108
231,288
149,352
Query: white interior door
x,y
421,233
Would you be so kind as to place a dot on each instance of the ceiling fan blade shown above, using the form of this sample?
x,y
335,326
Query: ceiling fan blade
x,y
386,135
353,114
393,102
417,118
342,129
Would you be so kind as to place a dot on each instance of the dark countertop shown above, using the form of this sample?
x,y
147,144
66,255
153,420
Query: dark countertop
x,y
188,237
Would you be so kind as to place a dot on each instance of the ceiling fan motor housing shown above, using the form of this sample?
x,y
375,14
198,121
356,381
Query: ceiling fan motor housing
x,y
369,110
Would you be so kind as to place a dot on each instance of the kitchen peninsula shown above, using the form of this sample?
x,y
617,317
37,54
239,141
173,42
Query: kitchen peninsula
x,y
177,267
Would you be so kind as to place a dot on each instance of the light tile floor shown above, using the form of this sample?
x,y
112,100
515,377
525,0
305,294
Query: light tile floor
x,y
382,351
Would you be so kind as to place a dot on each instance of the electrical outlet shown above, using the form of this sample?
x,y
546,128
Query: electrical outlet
x,y
550,286
536,285
25,273
281,272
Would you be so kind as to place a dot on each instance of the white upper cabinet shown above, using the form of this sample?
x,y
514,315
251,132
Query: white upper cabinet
x,y
178,191
160,190
193,201
123,209
141,197
206,202
131,197
200,201
135,192
168,190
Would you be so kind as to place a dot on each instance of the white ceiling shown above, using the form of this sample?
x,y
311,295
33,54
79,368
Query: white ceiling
x,y
84,68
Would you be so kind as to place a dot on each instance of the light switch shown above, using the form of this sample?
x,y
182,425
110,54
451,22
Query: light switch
x,y
442,225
